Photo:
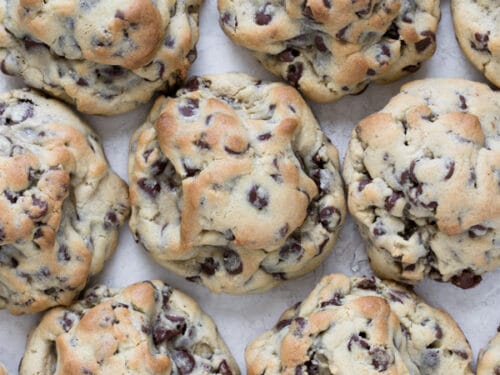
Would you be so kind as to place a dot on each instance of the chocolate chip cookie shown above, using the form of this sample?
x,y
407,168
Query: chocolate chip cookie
x,y
329,49
146,328
106,57
60,204
424,182
361,326
477,27
233,184
488,362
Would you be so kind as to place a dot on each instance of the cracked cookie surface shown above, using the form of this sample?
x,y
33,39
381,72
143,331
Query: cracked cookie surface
x,y
361,326
233,184
61,205
106,57
145,328
477,27
488,362
424,182
329,49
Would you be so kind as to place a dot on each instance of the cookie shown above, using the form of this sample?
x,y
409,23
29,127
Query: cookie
x,y
3,370
477,27
361,326
105,57
60,204
233,184
488,362
146,328
423,176
329,49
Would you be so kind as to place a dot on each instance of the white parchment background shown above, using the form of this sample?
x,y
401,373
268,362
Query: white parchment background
x,y
241,318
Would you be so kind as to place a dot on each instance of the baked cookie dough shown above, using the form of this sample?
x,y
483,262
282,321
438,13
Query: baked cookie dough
x,y
328,48
61,206
477,26
3,370
423,176
146,328
361,326
233,184
488,362
106,57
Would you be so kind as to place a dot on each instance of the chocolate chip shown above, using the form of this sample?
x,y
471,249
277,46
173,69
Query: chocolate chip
x,y
411,68
325,215
367,284
358,340
462,354
258,197
327,4
283,323
421,45
283,231
262,17
120,15
42,206
229,235
481,42
209,266
193,84
166,292
151,187
224,368
202,144
111,220
169,42
386,50
467,279
232,262
320,44
288,55
477,230
264,136
380,359
183,361
82,82
307,12
63,254
188,109
291,251
192,55
370,72
362,184
158,167
294,73
379,231
66,322
335,301
340,35
391,200
450,166
11,196
463,103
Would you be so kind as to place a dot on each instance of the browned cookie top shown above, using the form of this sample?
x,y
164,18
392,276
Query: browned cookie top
x,y
424,182
363,326
60,204
488,362
328,48
477,26
106,57
233,184
146,328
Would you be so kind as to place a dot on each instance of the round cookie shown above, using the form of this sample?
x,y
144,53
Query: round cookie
x,y
423,176
233,184
477,27
146,328
329,49
488,362
361,326
106,57
61,206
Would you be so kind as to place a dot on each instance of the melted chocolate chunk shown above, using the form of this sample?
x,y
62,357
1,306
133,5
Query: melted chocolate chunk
x,y
232,262
258,197
467,279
